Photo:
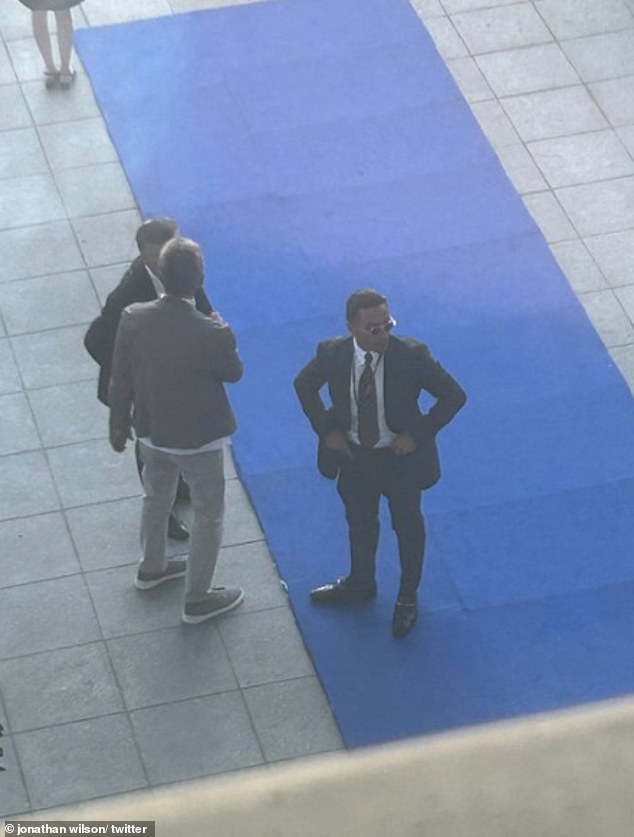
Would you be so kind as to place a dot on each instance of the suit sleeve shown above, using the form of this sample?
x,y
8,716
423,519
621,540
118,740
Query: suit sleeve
x,y
202,302
225,360
100,337
307,384
449,395
120,392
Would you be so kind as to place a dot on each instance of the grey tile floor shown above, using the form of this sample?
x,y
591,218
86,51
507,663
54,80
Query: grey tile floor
x,y
102,690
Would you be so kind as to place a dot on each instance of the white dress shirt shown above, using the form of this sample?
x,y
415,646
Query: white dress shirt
x,y
378,368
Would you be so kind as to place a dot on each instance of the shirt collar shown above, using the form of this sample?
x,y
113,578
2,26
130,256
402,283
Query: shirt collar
x,y
359,354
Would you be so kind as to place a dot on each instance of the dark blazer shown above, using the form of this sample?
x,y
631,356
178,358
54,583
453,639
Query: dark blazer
x,y
135,286
168,369
409,368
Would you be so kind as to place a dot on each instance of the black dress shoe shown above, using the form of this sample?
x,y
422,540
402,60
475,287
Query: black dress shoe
x,y
340,592
182,492
404,619
176,529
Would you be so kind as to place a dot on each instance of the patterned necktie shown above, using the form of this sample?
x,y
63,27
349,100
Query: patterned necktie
x,y
368,414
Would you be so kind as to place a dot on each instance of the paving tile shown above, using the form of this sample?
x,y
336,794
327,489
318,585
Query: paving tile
x,y
579,267
36,548
106,534
61,299
15,21
53,357
627,138
17,428
521,169
196,737
108,239
616,99
55,687
118,11
264,646
69,413
614,253
27,486
33,250
448,42
505,27
583,158
170,665
250,566
21,153
49,106
105,279
424,8
27,61
549,216
292,719
602,56
241,524
45,615
624,358
495,123
453,6
80,761
9,376
7,75
596,208
90,472
13,795
123,610
608,317
575,18
472,83
28,200
14,112
192,5
83,142
94,190
527,70
553,113
626,297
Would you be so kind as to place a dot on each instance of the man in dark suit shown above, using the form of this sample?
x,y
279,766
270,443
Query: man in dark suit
x,y
169,365
140,283
376,440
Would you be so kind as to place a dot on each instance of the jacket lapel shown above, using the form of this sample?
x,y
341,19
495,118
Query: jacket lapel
x,y
340,381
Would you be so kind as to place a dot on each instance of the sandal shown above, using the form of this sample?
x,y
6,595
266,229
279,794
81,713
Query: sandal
x,y
66,80
51,79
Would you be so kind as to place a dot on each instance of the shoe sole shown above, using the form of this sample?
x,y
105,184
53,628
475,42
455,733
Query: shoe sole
x,y
203,617
140,584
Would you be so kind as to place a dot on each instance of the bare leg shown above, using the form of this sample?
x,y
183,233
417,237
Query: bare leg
x,y
43,39
65,39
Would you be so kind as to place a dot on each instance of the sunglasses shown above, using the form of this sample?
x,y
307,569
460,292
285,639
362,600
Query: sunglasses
x,y
382,328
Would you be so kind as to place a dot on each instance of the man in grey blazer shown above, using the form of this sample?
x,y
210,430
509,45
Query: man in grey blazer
x,y
169,366
377,441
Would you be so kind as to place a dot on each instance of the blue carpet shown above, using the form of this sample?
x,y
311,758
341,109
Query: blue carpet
x,y
315,147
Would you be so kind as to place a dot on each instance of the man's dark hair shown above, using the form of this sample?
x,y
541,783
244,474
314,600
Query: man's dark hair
x,y
363,298
156,231
181,267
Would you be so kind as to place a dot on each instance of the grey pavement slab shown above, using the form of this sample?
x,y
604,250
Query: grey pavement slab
x,y
452,6
241,523
14,112
504,27
13,794
614,253
447,40
118,11
197,737
170,665
470,80
575,18
45,615
21,153
57,687
107,534
549,216
609,317
527,70
292,719
553,113
616,99
424,8
580,268
264,646
80,761
27,486
36,548
585,158
9,376
495,123
94,190
69,413
107,239
89,472
17,428
30,199
626,297
37,250
84,143
250,566
106,278
521,168
52,357
627,138
59,105
596,208
7,73
602,56
624,358
47,302
26,59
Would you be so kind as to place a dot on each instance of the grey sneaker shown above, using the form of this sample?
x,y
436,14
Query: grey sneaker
x,y
218,600
176,568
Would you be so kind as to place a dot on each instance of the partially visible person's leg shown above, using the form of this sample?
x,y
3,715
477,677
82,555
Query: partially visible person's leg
x,y
176,529
39,21
360,491
65,40
160,477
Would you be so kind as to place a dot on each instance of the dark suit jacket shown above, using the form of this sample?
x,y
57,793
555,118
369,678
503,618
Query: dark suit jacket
x,y
409,368
135,286
168,369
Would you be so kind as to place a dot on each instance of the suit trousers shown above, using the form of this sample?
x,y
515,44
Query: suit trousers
x,y
204,473
363,479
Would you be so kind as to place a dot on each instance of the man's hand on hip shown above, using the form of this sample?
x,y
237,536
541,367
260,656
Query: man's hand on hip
x,y
118,441
338,442
403,443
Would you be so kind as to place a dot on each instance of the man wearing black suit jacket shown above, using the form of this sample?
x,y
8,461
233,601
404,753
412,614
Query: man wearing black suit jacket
x,y
376,440
140,283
